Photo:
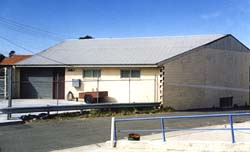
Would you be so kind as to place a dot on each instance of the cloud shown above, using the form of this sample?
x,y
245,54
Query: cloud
x,y
210,15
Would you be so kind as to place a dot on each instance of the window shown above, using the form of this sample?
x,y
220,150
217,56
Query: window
x,y
130,73
135,73
125,73
91,73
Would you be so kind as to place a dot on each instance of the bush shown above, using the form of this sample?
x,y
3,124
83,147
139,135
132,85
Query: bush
x,y
102,113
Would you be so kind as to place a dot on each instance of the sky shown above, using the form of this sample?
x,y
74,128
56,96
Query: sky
x,y
30,26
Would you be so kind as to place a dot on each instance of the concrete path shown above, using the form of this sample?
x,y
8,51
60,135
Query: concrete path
x,y
30,103
188,141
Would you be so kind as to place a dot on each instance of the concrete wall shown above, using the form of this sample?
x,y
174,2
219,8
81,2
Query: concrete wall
x,y
200,78
120,90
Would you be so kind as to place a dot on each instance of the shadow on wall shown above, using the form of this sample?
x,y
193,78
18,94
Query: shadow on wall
x,y
110,100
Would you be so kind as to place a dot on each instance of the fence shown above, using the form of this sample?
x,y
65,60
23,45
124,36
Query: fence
x,y
164,129
3,85
48,109
56,88
118,91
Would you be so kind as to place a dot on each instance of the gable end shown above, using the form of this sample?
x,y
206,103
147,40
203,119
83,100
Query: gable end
x,y
228,42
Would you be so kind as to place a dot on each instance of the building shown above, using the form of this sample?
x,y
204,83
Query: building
x,y
6,62
183,72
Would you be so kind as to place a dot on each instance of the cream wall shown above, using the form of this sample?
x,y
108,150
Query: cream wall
x,y
120,90
199,79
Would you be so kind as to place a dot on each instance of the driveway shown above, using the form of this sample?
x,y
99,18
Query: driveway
x,y
55,135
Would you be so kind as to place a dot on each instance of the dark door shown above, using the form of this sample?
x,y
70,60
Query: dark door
x,y
59,83
36,83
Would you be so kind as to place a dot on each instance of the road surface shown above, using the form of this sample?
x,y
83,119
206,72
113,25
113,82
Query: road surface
x,y
46,136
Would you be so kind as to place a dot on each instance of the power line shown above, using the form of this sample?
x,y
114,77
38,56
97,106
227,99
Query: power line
x,y
4,52
25,25
15,44
24,30
28,32
20,27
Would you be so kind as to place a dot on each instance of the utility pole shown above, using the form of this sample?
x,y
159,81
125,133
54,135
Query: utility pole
x,y
5,83
9,75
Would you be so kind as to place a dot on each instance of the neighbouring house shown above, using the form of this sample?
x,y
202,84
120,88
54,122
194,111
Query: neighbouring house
x,y
6,62
182,72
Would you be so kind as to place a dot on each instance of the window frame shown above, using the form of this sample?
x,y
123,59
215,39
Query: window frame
x,y
135,70
130,74
124,70
93,72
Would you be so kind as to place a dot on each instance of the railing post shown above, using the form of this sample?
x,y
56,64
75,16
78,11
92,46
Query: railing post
x,y
57,89
232,127
113,137
97,90
115,133
129,96
5,83
163,130
9,91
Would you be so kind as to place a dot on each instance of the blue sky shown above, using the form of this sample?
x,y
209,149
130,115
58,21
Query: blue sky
x,y
118,18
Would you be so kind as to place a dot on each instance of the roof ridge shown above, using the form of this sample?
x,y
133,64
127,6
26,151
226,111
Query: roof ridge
x,y
150,37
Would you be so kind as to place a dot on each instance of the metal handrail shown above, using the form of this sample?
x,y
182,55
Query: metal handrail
x,y
50,108
163,129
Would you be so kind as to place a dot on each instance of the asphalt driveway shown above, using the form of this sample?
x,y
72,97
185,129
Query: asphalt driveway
x,y
55,135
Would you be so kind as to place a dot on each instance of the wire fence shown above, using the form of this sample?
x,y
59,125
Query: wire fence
x,y
126,90
3,92
42,91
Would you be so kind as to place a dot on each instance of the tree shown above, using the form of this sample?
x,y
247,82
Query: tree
x,y
11,53
1,57
86,37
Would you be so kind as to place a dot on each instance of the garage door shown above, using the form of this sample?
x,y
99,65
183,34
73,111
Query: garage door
x,y
37,83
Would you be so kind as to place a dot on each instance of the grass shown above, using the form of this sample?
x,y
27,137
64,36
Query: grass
x,y
95,113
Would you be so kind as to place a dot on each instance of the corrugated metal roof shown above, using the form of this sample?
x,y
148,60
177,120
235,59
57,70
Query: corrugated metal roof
x,y
14,59
125,51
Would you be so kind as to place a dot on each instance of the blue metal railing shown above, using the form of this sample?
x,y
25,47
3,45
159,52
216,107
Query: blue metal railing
x,y
163,129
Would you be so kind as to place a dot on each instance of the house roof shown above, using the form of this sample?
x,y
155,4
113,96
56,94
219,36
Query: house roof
x,y
119,51
14,59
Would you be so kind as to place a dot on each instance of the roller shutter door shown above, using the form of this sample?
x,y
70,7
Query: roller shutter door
x,y
37,84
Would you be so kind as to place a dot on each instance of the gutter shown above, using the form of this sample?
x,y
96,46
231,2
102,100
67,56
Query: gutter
x,y
91,65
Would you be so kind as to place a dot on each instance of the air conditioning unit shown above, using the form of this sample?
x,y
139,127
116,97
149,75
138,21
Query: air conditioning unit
x,y
76,83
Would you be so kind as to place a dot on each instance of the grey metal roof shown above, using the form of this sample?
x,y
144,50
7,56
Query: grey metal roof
x,y
120,51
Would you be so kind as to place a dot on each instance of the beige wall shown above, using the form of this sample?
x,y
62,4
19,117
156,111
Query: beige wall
x,y
143,89
200,78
